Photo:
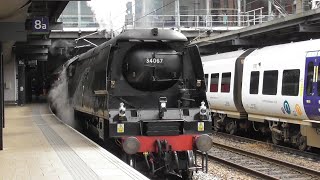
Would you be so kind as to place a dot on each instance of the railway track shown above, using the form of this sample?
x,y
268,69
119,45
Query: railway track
x,y
259,165
286,150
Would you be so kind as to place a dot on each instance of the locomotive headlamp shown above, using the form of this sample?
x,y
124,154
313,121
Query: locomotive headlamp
x,y
203,109
131,145
163,106
198,83
163,103
204,143
122,110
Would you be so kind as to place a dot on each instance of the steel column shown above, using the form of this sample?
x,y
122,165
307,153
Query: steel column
x,y
1,99
21,83
208,13
270,7
177,13
239,12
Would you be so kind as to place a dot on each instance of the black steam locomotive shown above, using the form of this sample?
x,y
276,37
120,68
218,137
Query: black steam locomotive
x,y
146,90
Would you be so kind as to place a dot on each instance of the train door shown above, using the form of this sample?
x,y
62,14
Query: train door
x,y
311,96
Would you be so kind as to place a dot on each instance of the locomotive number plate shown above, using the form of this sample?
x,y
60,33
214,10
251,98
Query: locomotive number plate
x,y
120,128
154,61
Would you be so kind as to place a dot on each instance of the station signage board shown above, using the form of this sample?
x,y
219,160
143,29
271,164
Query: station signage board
x,y
40,24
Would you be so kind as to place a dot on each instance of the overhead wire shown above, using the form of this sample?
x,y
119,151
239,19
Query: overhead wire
x,y
149,13
120,14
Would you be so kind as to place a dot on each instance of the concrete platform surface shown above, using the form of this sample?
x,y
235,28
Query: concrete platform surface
x,y
38,146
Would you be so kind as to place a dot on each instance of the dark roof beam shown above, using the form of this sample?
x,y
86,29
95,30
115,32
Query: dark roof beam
x,y
37,57
12,31
33,51
45,42
242,42
308,28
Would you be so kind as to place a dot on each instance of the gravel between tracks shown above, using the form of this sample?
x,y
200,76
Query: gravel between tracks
x,y
267,150
219,171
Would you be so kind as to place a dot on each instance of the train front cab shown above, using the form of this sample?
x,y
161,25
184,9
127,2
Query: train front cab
x,y
311,99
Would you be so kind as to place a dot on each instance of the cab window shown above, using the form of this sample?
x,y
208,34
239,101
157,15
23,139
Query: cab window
x,y
310,78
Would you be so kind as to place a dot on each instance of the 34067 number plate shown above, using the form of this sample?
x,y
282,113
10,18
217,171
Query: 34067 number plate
x,y
154,61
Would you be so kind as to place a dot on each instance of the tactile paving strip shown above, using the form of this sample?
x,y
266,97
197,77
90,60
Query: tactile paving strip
x,y
75,165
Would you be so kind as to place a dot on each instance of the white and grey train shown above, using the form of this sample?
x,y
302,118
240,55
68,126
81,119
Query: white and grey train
x,y
274,90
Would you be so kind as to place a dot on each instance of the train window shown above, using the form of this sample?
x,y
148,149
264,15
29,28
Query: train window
x,y
206,81
290,82
225,82
214,82
254,82
310,79
270,82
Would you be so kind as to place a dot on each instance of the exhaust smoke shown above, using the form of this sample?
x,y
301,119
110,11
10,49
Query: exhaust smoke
x,y
60,102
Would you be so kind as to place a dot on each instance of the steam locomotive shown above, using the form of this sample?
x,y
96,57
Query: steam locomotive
x,y
145,90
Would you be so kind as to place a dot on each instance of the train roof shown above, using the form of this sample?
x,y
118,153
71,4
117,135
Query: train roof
x,y
149,34
228,55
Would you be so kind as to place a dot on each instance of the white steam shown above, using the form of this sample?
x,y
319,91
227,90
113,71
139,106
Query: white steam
x,y
59,99
110,14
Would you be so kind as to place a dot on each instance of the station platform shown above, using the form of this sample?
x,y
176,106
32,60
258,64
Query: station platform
x,y
39,146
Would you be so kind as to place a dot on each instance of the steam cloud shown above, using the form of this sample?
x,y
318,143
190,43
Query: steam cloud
x,y
60,101
110,14
62,48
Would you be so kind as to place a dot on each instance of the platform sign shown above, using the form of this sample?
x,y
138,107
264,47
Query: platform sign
x,y
40,24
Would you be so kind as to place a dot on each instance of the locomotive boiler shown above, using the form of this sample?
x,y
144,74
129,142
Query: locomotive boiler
x,y
145,90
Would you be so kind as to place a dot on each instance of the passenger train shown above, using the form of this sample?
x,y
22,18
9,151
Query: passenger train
x,y
145,90
274,90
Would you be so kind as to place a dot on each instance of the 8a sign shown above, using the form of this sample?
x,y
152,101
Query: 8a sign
x,y
40,24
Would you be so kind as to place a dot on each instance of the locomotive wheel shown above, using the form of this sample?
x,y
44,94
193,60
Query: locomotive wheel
x,y
276,138
231,127
187,174
129,159
217,127
302,143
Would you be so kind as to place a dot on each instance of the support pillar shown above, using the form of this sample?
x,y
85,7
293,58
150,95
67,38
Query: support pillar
x,y
270,10
177,13
299,6
79,14
239,12
1,99
244,6
21,83
208,13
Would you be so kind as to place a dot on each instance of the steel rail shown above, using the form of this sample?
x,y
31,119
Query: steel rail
x,y
269,161
296,152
